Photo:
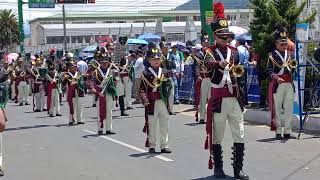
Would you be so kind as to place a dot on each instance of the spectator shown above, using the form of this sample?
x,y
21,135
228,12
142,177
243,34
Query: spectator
x,y
138,68
243,60
232,41
177,57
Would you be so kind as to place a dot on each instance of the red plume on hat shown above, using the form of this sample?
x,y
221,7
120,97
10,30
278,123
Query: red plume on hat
x,y
218,10
52,51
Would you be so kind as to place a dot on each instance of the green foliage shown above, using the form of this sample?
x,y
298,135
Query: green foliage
x,y
9,31
270,13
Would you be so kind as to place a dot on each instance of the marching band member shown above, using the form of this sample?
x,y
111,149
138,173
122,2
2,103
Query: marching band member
x,y
124,86
53,102
153,88
281,89
22,83
37,86
103,86
168,65
74,92
225,103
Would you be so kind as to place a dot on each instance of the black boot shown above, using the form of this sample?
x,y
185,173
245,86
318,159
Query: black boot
x,y
238,153
218,163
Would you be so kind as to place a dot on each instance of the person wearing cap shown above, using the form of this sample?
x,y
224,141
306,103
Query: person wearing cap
x,y
225,103
156,109
138,69
22,83
177,58
4,77
53,103
37,86
203,81
74,94
170,66
243,61
100,86
125,86
94,64
281,88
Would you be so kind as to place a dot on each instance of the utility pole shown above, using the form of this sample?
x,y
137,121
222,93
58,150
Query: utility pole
x,y
21,32
64,28
206,14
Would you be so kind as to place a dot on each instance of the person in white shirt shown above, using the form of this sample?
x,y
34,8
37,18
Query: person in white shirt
x,y
138,69
176,57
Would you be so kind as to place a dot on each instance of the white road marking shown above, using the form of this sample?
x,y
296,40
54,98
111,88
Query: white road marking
x,y
129,146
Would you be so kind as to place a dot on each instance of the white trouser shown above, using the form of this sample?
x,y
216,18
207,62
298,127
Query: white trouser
x,y
77,107
160,114
171,97
127,90
55,104
283,101
231,111
108,121
23,89
39,100
13,89
205,94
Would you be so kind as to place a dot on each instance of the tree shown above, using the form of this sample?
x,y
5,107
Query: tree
x,y
9,31
271,13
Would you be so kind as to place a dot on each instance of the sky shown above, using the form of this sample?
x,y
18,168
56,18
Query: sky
x,y
100,5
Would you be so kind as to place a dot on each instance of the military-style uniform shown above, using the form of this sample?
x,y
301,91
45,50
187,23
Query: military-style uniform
x,y
53,102
156,106
124,86
74,93
225,103
203,92
281,94
169,66
22,84
37,86
103,85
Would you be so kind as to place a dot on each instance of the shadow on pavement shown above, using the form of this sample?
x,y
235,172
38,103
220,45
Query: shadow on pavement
x,y
212,178
194,124
267,140
27,127
91,135
145,154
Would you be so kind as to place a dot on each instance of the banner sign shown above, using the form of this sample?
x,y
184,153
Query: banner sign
x,y
186,84
253,87
302,31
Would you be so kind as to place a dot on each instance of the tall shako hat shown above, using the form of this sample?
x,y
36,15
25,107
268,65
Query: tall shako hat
x,y
281,34
153,54
220,24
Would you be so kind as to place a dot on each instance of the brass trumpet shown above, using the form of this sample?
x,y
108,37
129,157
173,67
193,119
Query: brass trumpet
x,y
293,64
238,70
157,81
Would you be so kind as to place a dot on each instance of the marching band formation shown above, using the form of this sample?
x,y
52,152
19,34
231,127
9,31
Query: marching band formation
x,y
217,94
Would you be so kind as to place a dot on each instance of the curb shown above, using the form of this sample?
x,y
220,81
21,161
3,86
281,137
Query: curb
x,y
263,117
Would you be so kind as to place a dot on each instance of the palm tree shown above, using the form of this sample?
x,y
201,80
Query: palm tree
x,y
9,29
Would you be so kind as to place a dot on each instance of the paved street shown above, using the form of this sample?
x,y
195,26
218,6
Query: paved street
x,y
37,147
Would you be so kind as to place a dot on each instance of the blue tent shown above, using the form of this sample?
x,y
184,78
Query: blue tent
x,y
149,37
